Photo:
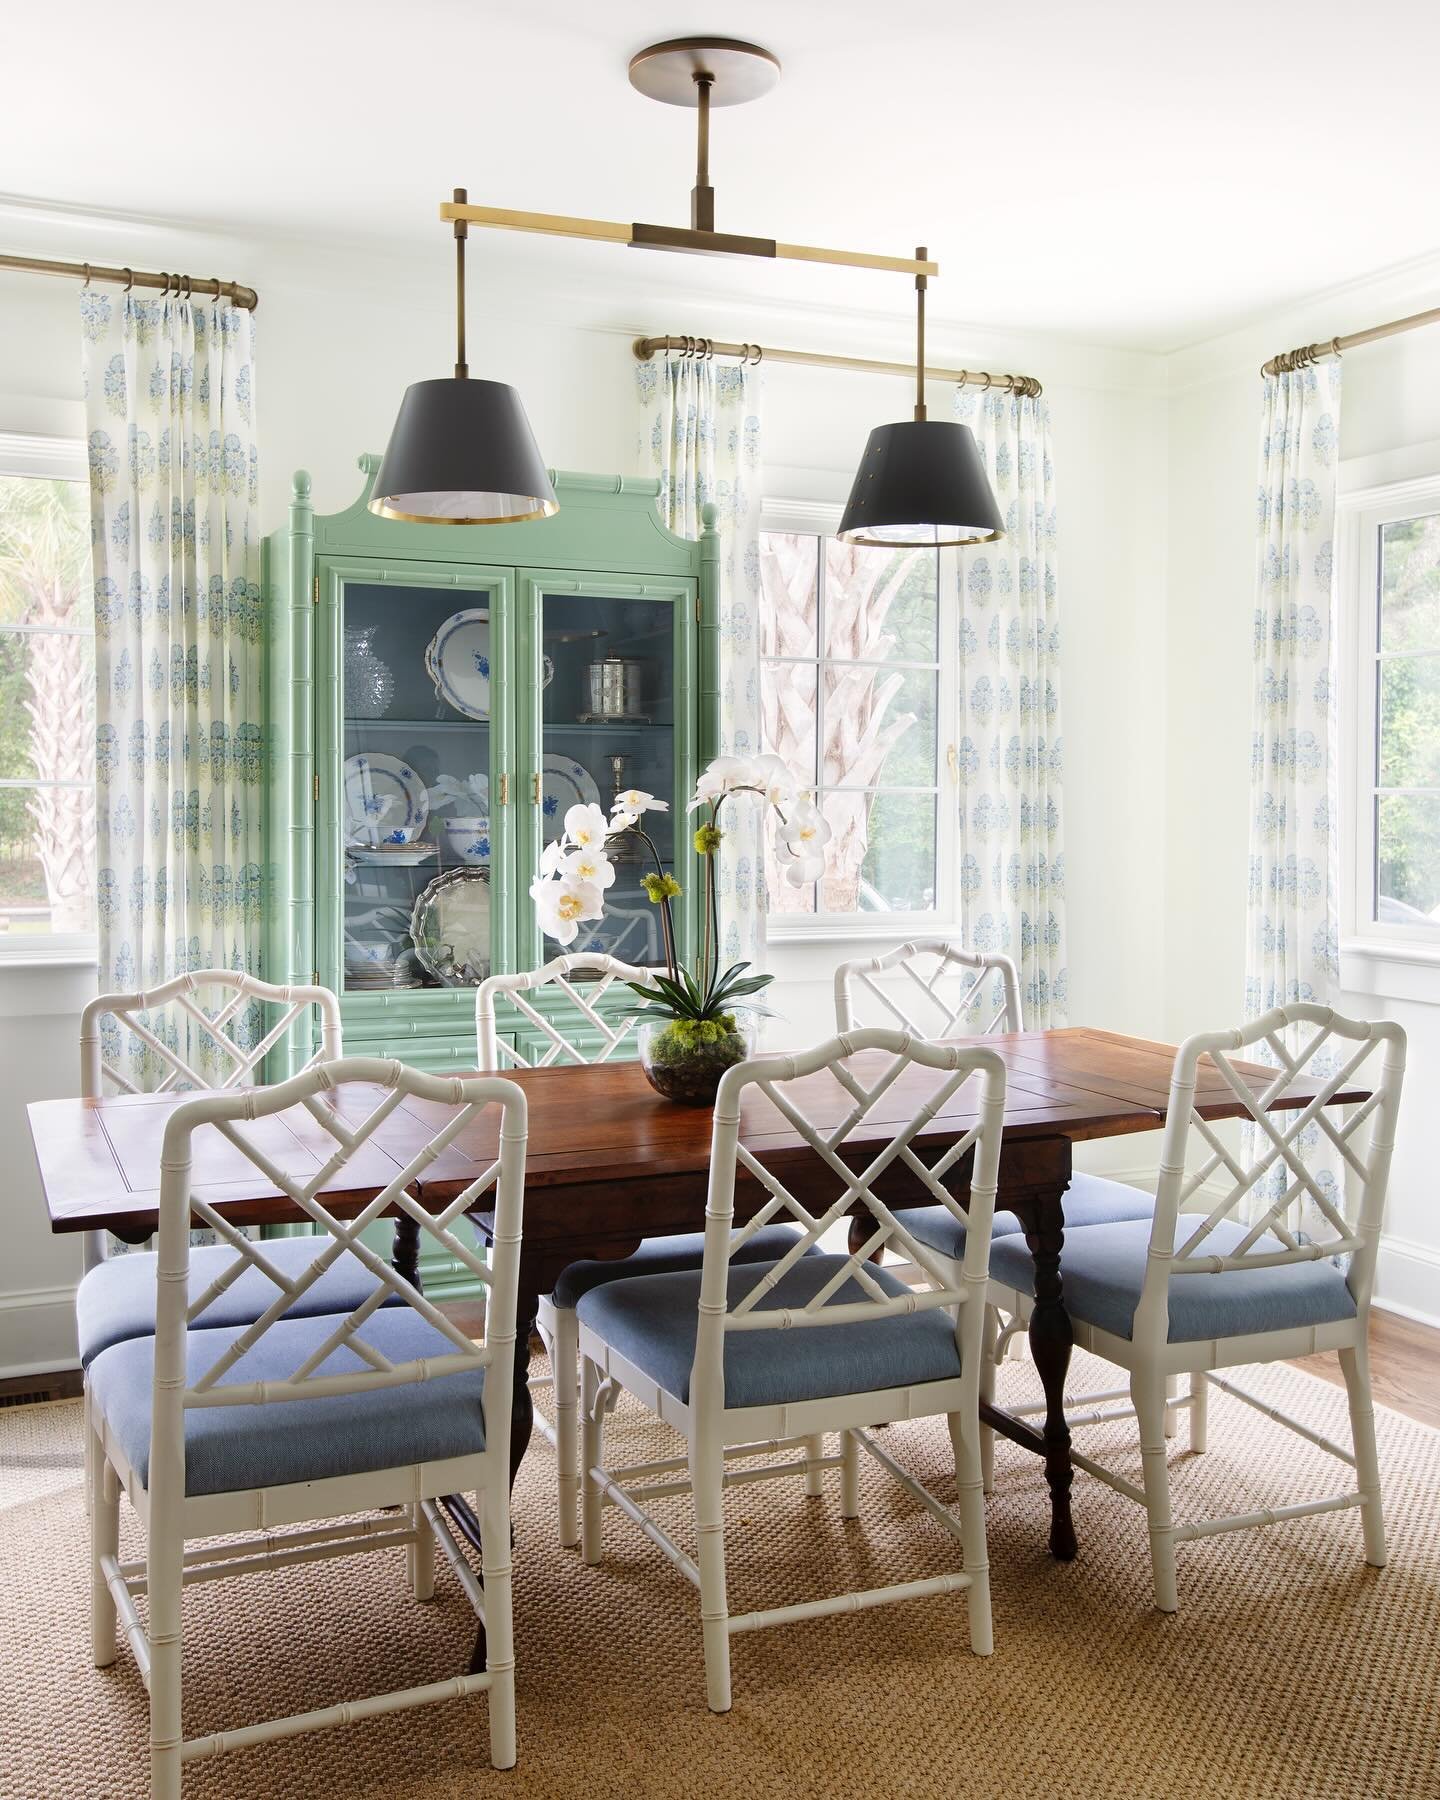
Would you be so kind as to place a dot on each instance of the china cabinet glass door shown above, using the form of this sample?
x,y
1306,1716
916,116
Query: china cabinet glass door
x,y
417,698
606,704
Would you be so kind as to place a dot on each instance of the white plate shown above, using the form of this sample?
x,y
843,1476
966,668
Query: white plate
x,y
563,783
457,660
381,794
402,856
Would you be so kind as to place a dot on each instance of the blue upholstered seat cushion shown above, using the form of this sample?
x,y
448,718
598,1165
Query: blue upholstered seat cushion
x,y
1089,1200
1103,1267
667,1256
651,1321
228,1448
116,1301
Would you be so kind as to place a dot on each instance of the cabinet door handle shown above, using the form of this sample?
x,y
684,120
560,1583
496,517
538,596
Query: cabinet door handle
x,y
504,790
535,789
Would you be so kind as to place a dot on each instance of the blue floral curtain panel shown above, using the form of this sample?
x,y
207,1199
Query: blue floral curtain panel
x,y
1010,750
170,418
1292,949
700,433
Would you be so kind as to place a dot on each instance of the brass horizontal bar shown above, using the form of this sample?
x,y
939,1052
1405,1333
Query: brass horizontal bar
x,y
699,243
611,231
646,347
243,297
1310,353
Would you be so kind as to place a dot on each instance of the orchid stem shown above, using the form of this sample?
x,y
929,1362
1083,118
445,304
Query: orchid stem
x,y
667,924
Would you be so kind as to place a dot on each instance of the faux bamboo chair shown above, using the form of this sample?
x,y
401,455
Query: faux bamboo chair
x,y
286,1420
1196,1292
861,1348
505,997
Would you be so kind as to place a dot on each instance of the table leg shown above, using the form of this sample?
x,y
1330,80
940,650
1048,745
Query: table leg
x,y
1051,1341
405,1251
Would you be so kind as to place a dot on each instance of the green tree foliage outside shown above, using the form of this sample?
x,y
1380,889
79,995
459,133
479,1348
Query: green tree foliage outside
x,y
1408,824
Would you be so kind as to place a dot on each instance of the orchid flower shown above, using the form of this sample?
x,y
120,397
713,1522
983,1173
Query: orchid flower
x,y
635,801
592,867
565,905
724,775
801,844
586,827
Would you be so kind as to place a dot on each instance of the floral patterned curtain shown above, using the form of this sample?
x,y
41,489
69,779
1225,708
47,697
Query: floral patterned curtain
x,y
170,410
1292,949
1010,751
700,433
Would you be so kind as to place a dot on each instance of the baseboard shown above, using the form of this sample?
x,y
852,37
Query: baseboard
x,y
1407,1279
37,1332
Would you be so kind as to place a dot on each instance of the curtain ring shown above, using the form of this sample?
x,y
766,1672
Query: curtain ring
x,y
989,381
86,268
129,279
1335,346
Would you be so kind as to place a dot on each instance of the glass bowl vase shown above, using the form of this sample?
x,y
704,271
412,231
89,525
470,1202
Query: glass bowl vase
x,y
684,1059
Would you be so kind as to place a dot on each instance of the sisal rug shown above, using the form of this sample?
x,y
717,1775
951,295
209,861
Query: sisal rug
x,y
1291,1670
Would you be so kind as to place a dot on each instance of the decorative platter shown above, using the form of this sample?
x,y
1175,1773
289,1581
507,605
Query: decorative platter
x,y
398,856
563,783
383,798
457,660
450,927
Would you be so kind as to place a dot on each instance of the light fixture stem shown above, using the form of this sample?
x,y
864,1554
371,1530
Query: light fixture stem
x,y
702,195
462,368
921,255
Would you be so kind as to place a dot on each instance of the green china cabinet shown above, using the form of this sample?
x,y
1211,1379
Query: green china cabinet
x,y
437,697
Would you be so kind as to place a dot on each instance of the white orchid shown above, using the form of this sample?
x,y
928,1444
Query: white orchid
x,y
552,860
586,827
635,801
471,793
565,905
592,867
776,781
723,776
801,843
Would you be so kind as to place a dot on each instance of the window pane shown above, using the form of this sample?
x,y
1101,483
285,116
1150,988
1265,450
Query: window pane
x,y
789,598
1410,721
881,854
879,726
44,552
787,722
1410,584
53,673
47,861
1407,836
880,605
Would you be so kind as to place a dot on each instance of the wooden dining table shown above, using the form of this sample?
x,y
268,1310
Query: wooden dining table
x,y
609,1163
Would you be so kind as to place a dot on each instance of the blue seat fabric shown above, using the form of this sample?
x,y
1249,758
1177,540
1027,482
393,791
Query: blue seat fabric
x,y
1103,1267
651,1321
116,1301
667,1256
229,1448
1089,1200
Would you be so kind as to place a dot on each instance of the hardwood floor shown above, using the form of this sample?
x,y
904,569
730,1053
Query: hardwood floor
x,y
1404,1366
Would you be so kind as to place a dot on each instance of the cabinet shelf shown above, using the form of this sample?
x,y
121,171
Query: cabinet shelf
x,y
417,724
616,727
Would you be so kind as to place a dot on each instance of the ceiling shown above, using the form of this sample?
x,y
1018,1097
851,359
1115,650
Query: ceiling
x,y
1125,173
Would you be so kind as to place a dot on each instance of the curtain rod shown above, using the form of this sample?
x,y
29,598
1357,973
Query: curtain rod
x,y
243,297
1309,353
705,348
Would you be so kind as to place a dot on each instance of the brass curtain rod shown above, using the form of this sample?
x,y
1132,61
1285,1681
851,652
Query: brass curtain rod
x,y
705,348
243,297
1310,353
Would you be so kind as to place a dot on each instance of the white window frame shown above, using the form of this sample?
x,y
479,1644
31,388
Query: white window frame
x,y
1400,960
823,519
50,459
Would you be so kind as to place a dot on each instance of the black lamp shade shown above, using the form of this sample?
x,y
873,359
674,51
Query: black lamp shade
x,y
462,453
921,484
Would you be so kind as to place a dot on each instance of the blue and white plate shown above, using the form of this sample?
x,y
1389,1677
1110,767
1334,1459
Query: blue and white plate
x,y
563,783
384,800
457,660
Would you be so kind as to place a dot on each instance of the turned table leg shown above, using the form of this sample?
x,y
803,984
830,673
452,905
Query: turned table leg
x,y
1051,1341
405,1251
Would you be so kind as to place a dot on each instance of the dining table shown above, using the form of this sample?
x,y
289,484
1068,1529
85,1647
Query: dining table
x,y
609,1163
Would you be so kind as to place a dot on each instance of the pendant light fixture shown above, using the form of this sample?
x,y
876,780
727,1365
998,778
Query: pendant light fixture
x,y
462,452
921,483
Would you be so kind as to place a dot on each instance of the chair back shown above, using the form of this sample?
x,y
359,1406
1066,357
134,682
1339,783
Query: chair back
x,y
348,1100
864,1066
931,988
221,1046
501,1001
1266,1193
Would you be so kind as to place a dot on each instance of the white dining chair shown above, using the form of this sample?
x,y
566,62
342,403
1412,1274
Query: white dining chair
x,y
575,985
1195,1291
212,1432
861,1348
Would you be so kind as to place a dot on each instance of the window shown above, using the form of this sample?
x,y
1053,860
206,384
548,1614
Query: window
x,y
47,702
857,692
1391,712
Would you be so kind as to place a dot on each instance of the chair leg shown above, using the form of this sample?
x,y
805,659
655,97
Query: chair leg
x,y
989,1337
421,1556
164,1567
965,1441
592,1456
565,1368
1148,1392
1172,1412
499,1627
1199,1412
849,1476
1355,1367
814,1478
707,1486
104,1541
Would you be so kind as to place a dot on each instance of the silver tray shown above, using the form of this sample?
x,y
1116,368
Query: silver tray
x,y
450,927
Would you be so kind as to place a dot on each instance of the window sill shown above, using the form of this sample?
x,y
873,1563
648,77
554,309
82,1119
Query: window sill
x,y
843,932
1390,971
